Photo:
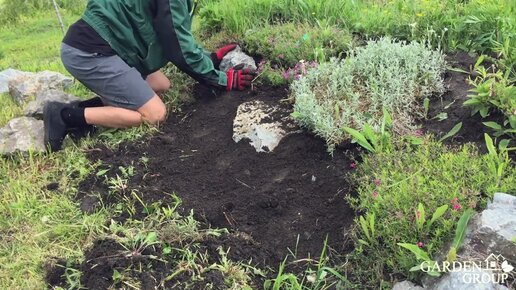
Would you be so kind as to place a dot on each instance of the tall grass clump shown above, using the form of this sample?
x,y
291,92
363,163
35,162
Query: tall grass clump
x,y
384,74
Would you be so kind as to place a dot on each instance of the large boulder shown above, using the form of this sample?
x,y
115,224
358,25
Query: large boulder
x,y
21,135
264,125
6,76
236,57
27,85
35,108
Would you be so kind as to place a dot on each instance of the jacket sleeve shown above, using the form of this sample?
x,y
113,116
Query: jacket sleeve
x,y
173,26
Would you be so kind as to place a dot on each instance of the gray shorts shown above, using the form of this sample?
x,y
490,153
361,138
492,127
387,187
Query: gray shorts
x,y
117,83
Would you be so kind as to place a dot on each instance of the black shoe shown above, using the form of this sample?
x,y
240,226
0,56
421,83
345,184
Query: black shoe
x,y
55,127
78,133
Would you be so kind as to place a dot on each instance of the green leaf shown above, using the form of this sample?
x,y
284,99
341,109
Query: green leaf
x,y
370,135
426,106
504,144
452,132
490,145
493,125
102,172
365,227
441,116
439,212
361,140
472,102
151,238
420,254
462,225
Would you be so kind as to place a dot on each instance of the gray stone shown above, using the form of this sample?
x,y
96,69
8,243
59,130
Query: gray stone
x,y
406,285
463,280
493,230
27,85
262,124
236,57
6,76
35,108
21,135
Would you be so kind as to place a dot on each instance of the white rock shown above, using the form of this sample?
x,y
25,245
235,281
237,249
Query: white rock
x,y
262,124
236,57
26,85
21,135
35,108
464,280
6,76
406,285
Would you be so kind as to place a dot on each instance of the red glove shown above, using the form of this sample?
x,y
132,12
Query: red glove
x,y
239,78
216,57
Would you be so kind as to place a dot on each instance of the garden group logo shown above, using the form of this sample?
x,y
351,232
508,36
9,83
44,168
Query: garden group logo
x,y
494,269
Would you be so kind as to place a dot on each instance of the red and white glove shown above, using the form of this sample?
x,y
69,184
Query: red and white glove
x,y
240,78
216,57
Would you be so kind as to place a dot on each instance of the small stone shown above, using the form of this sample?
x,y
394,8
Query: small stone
x,y
35,108
265,126
6,76
27,85
406,285
236,57
21,135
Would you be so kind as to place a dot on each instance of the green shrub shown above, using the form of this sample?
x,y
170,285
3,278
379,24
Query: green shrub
x,y
390,187
384,74
286,44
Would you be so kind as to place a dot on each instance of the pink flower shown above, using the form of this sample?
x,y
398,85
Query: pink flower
x,y
375,194
420,244
286,74
418,133
378,182
454,200
353,165
456,207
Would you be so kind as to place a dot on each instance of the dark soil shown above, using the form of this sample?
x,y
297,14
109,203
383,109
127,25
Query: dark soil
x,y
451,103
287,201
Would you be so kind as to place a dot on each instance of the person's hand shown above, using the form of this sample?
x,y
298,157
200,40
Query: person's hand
x,y
240,78
216,57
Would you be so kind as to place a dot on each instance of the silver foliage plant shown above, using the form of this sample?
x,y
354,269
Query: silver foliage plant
x,y
353,91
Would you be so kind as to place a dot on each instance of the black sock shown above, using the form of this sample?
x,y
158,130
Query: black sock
x,y
93,102
74,117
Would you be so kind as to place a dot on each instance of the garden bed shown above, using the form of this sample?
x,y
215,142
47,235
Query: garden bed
x,y
274,204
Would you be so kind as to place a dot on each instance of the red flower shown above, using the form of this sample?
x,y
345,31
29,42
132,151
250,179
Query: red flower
x,y
456,207
454,200
378,182
418,133
375,194
420,244
353,165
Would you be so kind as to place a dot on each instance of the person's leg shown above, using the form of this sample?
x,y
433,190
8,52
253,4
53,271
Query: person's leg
x,y
153,112
158,82
129,100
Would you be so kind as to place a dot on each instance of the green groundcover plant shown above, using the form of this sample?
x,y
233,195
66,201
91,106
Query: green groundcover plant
x,y
284,45
416,195
384,75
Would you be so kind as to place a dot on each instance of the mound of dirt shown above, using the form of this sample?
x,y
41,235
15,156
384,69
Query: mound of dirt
x,y
288,200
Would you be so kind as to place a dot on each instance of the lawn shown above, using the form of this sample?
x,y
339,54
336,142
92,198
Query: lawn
x,y
394,108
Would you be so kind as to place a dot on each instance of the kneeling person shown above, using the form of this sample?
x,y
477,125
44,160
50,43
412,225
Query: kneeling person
x,y
116,50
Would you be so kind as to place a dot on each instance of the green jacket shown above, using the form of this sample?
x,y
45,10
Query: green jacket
x,y
147,34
